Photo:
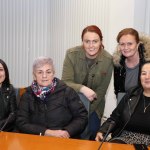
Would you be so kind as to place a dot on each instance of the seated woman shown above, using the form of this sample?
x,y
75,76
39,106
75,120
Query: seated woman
x,y
131,118
49,107
8,104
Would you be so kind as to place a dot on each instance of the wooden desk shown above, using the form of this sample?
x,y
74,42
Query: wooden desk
x,y
17,141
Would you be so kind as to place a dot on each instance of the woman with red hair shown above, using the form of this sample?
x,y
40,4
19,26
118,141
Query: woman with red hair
x,y
88,69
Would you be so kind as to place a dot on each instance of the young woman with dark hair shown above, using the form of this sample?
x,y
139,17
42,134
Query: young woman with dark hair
x,y
7,100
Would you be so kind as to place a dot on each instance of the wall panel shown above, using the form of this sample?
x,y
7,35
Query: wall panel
x,y
14,39
32,28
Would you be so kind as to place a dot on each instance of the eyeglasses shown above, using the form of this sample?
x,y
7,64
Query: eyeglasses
x,y
42,73
88,42
128,44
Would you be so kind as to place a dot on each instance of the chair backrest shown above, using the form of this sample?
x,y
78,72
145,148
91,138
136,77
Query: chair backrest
x,y
19,93
120,96
86,133
85,101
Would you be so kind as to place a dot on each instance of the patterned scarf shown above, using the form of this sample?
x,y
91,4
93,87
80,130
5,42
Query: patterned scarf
x,y
42,92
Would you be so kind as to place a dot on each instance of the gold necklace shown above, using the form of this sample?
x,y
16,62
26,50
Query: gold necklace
x,y
145,107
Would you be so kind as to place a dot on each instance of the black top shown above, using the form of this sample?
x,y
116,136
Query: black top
x,y
139,121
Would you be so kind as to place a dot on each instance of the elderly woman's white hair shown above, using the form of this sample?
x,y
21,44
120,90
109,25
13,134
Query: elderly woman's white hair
x,y
41,61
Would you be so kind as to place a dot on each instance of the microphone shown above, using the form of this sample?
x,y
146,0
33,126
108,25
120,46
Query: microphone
x,y
111,126
11,115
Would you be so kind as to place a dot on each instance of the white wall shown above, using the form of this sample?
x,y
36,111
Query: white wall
x,y
121,15
30,28
142,16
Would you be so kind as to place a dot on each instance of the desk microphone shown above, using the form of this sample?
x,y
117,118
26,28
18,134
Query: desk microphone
x,y
11,115
111,126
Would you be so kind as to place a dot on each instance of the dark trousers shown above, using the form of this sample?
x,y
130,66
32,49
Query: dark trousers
x,y
93,121
94,125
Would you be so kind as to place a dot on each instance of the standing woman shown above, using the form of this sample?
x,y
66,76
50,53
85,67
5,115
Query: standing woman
x,y
88,69
131,53
8,104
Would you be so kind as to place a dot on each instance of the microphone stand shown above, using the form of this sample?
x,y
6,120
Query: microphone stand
x,y
6,122
103,140
111,126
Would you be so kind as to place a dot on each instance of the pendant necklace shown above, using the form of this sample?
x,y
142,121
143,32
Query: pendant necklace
x,y
145,107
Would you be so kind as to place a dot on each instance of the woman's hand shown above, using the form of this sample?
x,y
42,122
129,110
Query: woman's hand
x,y
57,133
89,93
99,136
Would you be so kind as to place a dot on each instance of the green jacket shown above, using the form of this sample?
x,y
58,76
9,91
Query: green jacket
x,y
75,70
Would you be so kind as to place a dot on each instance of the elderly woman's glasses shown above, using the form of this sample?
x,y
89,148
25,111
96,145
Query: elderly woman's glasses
x,y
42,73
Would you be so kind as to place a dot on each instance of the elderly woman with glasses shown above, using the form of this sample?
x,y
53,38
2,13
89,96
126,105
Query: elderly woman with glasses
x,y
49,107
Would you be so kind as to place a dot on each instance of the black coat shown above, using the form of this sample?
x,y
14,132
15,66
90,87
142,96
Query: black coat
x,y
123,112
7,106
63,109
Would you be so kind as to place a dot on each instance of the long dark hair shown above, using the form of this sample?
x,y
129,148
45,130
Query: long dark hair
x,y
6,82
